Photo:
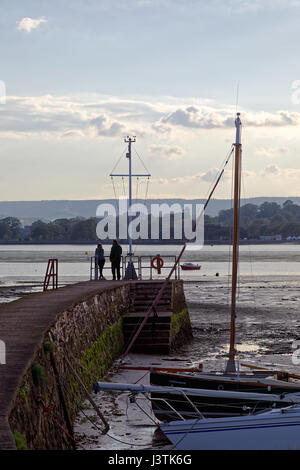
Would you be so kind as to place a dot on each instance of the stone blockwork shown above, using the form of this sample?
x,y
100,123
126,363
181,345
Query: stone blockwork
x,y
180,328
90,335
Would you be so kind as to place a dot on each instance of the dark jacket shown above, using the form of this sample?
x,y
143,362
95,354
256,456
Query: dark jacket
x,y
115,253
99,253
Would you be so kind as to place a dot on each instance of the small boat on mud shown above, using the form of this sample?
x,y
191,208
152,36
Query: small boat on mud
x,y
190,267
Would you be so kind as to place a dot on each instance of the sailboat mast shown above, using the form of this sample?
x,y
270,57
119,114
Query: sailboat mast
x,y
235,246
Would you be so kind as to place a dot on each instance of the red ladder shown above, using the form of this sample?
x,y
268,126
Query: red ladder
x,y
51,272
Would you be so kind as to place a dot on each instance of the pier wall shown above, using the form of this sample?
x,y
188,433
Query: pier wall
x,y
89,334
181,329
85,328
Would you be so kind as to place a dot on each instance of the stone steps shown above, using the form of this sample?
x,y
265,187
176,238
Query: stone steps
x,y
155,335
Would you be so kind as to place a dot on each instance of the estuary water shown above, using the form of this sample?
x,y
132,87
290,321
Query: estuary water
x,y
26,264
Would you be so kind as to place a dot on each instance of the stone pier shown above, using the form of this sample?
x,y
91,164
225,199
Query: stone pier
x,y
39,395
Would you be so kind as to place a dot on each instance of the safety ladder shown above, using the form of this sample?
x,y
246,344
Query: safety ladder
x,y
51,272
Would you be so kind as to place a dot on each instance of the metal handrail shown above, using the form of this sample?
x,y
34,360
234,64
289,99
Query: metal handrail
x,y
94,267
142,262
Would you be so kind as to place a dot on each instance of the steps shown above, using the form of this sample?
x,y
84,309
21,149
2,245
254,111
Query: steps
x,y
155,335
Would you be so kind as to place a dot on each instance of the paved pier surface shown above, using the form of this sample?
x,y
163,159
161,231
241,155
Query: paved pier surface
x,y
23,324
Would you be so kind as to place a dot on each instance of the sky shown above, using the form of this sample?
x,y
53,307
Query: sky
x,y
77,76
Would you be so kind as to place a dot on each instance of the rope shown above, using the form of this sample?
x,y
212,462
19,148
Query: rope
x,y
141,161
92,422
124,191
147,187
118,161
112,180
47,410
137,189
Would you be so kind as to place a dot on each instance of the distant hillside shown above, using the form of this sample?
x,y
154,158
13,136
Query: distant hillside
x,y
30,211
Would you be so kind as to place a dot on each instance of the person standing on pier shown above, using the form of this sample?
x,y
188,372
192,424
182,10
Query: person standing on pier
x,y
115,258
100,259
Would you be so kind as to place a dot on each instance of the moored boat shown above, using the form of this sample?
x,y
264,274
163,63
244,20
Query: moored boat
x,y
179,403
190,267
261,382
276,429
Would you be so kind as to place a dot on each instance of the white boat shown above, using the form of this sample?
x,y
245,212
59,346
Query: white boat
x,y
276,429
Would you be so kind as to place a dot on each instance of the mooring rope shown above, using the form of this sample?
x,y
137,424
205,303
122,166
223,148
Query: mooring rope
x,y
47,410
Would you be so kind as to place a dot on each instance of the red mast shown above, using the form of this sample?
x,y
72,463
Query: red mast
x,y
235,242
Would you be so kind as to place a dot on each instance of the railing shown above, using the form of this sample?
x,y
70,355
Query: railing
x,y
142,266
94,268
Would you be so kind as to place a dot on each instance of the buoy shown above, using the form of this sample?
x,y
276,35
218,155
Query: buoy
x,y
157,263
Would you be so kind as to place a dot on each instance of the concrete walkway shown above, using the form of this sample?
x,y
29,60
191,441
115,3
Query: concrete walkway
x,y
23,324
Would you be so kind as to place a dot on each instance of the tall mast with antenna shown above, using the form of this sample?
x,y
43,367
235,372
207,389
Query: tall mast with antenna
x,y
129,140
130,271
235,245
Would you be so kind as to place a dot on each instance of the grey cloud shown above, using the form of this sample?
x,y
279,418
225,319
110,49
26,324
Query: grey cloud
x,y
112,117
54,115
169,152
104,128
205,118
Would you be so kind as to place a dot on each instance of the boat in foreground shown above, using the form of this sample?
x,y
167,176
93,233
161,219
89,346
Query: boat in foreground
x,y
276,429
178,403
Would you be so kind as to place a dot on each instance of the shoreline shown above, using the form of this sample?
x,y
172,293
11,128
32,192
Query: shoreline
x,y
159,243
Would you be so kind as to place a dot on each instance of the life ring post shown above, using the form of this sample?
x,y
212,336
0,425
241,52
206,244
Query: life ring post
x,y
157,263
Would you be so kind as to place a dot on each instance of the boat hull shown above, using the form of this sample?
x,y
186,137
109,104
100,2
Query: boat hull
x,y
190,268
274,430
208,406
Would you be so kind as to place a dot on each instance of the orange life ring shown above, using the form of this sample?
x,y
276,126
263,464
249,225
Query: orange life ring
x,y
159,263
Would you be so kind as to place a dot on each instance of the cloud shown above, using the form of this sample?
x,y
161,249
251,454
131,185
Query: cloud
x,y
270,152
272,170
208,176
105,128
194,117
208,118
275,171
29,24
168,152
98,115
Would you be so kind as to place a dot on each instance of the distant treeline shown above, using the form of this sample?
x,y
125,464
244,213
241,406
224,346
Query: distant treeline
x,y
266,219
256,221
